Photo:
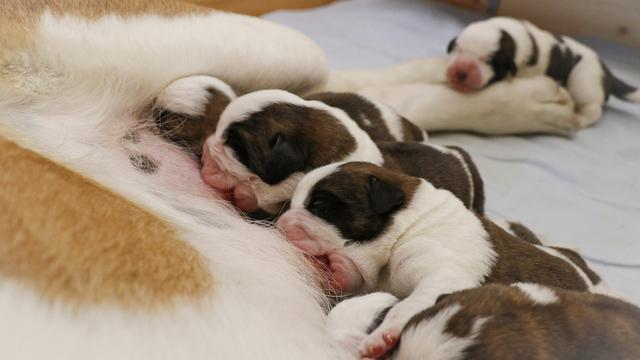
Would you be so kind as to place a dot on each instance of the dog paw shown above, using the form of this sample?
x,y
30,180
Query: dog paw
x,y
381,341
191,96
187,111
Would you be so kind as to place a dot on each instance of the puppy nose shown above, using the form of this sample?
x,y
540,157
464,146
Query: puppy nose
x,y
461,75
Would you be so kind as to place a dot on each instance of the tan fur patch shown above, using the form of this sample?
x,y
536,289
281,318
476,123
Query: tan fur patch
x,y
75,241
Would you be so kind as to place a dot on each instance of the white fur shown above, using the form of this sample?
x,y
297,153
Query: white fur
x,y
190,95
539,294
534,104
428,339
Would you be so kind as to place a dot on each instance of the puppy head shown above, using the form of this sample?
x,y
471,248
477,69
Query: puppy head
x,y
350,215
265,141
485,52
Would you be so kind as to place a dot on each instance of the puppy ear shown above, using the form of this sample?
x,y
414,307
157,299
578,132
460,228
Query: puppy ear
x,y
452,45
512,68
283,160
384,197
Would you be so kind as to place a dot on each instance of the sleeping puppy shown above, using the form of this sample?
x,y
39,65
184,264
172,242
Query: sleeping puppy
x,y
266,140
188,109
378,229
498,48
499,322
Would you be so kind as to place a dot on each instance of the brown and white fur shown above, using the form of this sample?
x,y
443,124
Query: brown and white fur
x,y
381,230
498,322
499,48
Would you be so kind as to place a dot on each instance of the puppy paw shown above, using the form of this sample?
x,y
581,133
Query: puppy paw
x,y
381,341
187,111
563,96
190,96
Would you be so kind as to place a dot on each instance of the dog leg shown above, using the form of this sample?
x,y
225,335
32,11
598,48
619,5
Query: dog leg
x,y
518,106
428,71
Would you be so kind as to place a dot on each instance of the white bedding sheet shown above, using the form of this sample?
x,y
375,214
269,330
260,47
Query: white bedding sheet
x,y
583,191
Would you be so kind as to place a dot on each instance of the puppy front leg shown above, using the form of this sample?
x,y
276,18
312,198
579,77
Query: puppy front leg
x,y
386,336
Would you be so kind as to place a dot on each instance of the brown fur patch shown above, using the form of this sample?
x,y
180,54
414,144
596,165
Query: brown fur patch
x,y
520,261
524,233
192,132
578,326
75,241
442,170
308,128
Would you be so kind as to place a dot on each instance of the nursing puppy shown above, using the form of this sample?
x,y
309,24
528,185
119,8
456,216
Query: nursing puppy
x,y
265,141
187,110
498,322
377,229
495,49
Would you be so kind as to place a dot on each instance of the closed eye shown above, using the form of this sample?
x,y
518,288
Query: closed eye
x,y
276,140
325,205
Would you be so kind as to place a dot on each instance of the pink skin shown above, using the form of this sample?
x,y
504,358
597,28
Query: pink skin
x,y
214,174
298,227
382,345
464,74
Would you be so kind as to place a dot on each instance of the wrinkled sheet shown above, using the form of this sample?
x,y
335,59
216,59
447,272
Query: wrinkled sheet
x,y
583,191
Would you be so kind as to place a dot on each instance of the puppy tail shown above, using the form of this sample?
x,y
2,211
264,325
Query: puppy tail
x,y
619,88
